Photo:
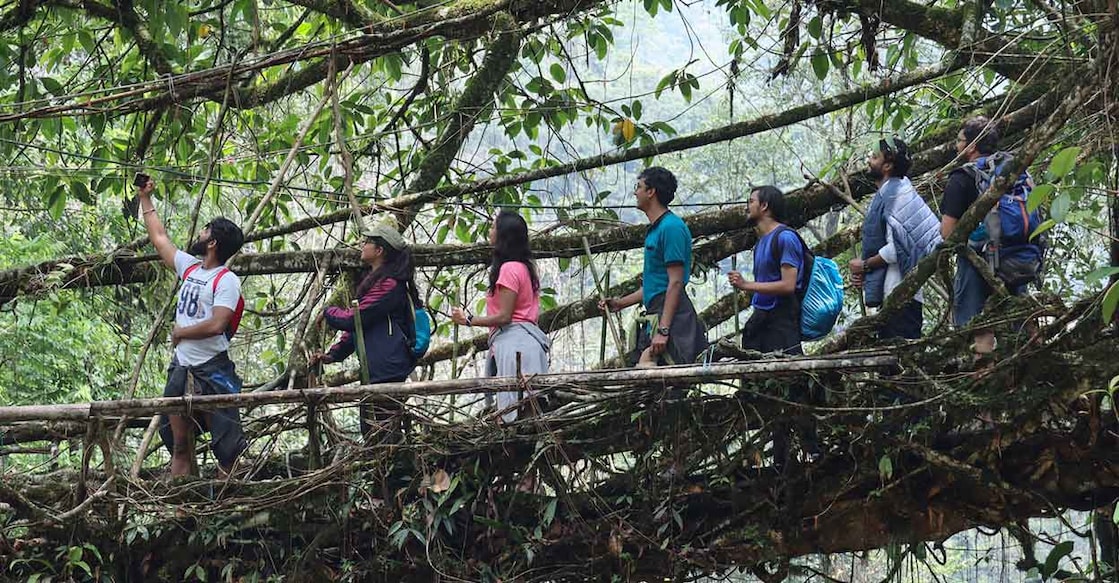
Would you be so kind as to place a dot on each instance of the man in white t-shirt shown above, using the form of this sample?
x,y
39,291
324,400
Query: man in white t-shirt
x,y
205,315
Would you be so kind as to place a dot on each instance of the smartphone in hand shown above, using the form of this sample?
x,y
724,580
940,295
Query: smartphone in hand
x,y
140,180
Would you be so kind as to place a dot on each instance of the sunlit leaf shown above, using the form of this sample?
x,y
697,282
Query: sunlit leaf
x,y
1039,195
558,72
1110,301
1058,209
1043,227
885,467
1063,162
1100,274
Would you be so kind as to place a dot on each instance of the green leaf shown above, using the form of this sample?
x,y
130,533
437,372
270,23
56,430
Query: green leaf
x,y
558,73
85,567
56,202
1039,195
1059,208
81,192
462,231
1110,301
550,512
1063,162
665,81
53,86
885,467
1053,561
1115,515
820,64
489,522
815,27
1099,274
1044,226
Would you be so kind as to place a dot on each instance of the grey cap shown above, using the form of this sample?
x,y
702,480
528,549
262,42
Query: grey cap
x,y
385,231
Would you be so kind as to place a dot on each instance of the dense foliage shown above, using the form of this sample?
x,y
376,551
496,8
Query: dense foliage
x,y
286,114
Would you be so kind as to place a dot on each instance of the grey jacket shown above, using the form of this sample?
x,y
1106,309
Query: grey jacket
x,y
913,225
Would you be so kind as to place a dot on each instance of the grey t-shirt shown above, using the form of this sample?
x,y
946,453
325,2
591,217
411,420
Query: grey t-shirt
x,y
197,300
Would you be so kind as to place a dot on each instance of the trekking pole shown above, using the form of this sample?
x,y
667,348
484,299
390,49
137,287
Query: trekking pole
x,y
314,373
734,267
454,341
359,344
602,336
859,290
602,295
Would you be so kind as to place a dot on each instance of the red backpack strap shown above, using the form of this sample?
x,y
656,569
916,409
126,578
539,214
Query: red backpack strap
x,y
190,270
218,277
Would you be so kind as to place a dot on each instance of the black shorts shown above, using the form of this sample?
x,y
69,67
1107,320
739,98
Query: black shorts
x,y
776,330
217,376
905,323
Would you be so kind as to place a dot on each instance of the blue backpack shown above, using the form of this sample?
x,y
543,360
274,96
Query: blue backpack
x,y
1005,232
820,296
424,325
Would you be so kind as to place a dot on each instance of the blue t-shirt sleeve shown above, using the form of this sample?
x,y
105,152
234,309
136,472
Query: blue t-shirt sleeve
x,y
677,243
791,251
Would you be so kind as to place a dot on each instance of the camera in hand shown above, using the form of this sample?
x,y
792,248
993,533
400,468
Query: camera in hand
x,y
141,180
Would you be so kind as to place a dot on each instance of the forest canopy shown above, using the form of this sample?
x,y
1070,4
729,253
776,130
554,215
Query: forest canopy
x,y
296,118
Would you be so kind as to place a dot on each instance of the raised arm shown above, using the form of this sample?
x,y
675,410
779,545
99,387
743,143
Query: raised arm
x,y
156,233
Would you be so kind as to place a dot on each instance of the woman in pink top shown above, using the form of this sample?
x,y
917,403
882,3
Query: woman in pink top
x,y
512,309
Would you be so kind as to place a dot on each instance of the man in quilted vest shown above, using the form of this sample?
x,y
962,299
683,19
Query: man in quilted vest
x,y
899,230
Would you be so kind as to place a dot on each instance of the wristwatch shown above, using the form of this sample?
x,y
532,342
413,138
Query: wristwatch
x,y
470,319
663,330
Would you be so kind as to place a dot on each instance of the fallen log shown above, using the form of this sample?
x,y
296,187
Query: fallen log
x,y
604,380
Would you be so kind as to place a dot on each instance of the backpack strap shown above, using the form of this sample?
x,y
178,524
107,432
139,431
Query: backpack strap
x,y
190,270
806,268
218,277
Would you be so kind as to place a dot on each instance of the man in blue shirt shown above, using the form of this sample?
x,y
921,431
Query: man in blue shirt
x,y
774,326
674,334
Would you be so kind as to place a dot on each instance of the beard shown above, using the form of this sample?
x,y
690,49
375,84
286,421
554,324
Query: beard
x,y
198,248
875,173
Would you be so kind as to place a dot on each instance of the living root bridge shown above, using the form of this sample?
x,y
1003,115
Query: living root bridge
x,y
696,493
611,380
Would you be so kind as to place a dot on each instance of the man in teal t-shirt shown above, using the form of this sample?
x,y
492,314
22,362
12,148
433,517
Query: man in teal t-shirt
x,y
673,333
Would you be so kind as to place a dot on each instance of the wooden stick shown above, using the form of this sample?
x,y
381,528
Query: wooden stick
x,y
605,323
359,343
618,379
602,296
734,267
